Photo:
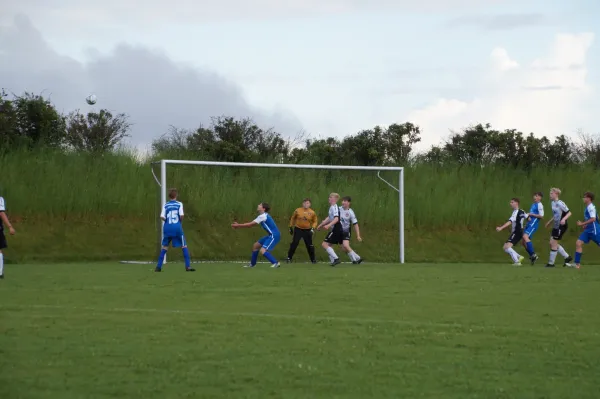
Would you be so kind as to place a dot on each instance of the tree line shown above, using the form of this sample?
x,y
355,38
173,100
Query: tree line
x,y
31,121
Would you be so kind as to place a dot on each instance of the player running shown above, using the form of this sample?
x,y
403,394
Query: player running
x,y
516,234
332,223
560,214
267,243
535,216
591,231
4,221
348,219
172,216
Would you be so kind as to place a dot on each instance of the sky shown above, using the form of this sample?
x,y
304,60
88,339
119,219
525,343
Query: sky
x,y
312,68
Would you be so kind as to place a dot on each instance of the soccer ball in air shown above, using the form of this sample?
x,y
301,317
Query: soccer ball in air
x,y
91,99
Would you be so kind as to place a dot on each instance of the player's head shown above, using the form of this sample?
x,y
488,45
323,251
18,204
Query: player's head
x,y
306,203
537,197
514,203
173,193
554,193
588,197
346,201
263,207
334,198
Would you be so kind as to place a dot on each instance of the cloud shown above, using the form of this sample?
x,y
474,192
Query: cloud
x,y
499,21
548,97
155,91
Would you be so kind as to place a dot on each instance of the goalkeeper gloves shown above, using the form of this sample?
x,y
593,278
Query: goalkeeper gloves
x,y
291,231
312,231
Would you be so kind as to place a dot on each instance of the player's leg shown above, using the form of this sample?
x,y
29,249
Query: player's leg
x,y
327,245
527,236
584,238
2,246
354,257
186,254
1,264
295,241
268,245
255,250
508,248
561,250
163,251
308,241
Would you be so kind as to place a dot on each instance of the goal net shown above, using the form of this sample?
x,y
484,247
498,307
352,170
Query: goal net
x,y
215,194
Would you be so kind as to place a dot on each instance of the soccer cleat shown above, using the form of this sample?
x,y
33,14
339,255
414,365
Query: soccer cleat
x,y
336,261
1,276
549,265
189,269
248,265
533,258
568,261
314,262
359,261
288,260
276,265
158,269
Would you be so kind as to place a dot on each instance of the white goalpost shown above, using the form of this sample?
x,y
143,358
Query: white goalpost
x,y
400,189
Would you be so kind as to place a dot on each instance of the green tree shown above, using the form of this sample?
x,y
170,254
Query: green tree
x,y
97,131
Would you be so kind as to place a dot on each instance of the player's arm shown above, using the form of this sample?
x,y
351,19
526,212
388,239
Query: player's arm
x,y
163,214
314,221
564,220
505,225
261,218
357,230
591,220
181,212
324,222
331,223
293,221
6,222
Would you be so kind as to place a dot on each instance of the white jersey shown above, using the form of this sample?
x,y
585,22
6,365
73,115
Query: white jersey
x,y
334,212
559,211
348,219
2,209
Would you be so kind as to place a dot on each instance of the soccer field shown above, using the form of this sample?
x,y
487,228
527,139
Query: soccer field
x,y
302,331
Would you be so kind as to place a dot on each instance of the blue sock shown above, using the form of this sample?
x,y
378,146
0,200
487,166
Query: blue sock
x,y
186,257
577,258
270,258
254,258
530,250
161,258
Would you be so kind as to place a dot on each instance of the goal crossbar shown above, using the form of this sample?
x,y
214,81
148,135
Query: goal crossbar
x,y
400,189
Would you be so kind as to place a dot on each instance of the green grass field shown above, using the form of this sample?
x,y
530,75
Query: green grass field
x,y
107,330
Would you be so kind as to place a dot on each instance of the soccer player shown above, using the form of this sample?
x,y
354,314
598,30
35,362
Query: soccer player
x,y
560,215
302,227
516,233
332,222
536,214
4,221
267,243
591,228
172,216
348,219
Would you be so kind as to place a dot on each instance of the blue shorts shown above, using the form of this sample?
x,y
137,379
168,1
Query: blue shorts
x,y
588,236
175,241
530,229
269,242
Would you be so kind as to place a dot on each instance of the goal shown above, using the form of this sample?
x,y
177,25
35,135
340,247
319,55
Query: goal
x,y
162,182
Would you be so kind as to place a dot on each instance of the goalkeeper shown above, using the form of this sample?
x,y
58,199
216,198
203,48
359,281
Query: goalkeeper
x,y
302,226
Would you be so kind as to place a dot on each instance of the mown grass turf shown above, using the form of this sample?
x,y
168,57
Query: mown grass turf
x,y
302,331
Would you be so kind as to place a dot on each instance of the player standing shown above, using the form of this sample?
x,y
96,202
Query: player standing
x,y
560,215
348,219
516,234
267,243
536,214
4,221
332,223
591,228
302,226
172,216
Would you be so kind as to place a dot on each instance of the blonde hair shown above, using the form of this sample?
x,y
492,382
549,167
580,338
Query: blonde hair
x,y
334,195
555,190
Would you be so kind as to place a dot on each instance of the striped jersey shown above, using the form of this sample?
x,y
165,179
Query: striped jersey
x,y
559,211
268,224
348,219
172,212
516,219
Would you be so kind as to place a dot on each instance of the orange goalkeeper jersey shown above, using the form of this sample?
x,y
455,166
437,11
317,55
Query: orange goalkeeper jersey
x,y
304,219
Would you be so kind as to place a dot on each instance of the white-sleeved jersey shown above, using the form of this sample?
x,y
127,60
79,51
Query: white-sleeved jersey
x,y
348,219
2,209
559,211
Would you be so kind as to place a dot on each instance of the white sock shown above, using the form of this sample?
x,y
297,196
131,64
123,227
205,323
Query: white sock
x,y
1,264
562,252
331,253
552,258
513,254
353,256
331,259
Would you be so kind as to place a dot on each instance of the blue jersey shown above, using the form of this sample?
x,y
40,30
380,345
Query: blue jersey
x,y
590,213
172,213
536,209
266,222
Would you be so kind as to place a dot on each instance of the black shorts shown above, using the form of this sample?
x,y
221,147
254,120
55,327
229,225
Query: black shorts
x,y
3,240
558,233
335,236
346,235
515,238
